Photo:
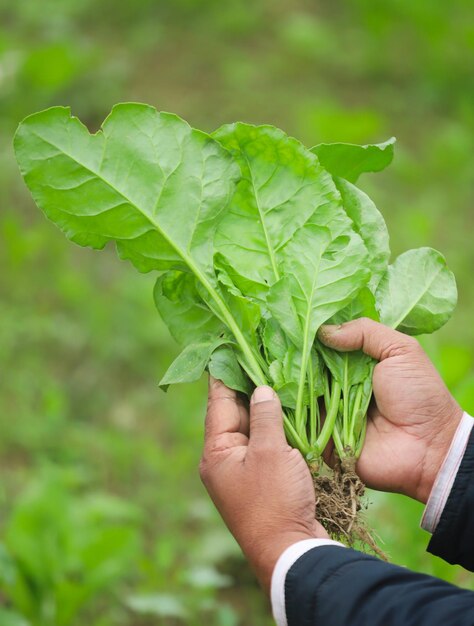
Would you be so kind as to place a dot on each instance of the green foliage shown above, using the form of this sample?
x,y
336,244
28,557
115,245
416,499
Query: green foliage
x,y
349,161
428,288
253,233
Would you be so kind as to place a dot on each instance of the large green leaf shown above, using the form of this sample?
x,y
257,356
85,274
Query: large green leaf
x,y
369,223
349,160
282,186
418,293
322,276
146,180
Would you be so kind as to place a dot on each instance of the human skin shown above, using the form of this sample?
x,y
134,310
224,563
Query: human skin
x,y
413,420
262,487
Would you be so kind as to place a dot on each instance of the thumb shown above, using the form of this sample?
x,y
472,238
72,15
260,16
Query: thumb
x,y
376,340
266,418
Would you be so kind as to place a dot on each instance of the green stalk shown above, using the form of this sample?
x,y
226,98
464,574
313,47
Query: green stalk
x,y
360,444
312,404
338,442
294,437
330,420
243,364
253,369
345,400
300,409
327,393
363,426
355,418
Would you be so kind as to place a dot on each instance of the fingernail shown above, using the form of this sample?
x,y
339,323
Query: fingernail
x,y
329,329
262,394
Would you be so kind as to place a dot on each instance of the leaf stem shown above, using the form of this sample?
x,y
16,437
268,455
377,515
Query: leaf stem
x,y
330,420
338,442
255,372
355,417
345,400
327,394
293,436
305,356
360,444
312,403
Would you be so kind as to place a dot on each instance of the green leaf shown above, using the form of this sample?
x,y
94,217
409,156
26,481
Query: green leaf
x,y
362,305
282,185
322,276
349,160
275,342
418,292
191,363
286,374
351,368
183,310
370,225
146,180
246,313
225,366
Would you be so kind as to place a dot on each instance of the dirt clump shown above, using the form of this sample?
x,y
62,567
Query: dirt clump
x,y
339,501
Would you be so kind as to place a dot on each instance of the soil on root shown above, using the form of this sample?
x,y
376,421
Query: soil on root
x,y
338,505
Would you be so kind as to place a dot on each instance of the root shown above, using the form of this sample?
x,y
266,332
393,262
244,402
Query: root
x,y
339,503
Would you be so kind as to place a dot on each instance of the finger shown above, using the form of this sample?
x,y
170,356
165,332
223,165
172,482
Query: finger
x,y
266,418
224,441
226,412
243,405
376,340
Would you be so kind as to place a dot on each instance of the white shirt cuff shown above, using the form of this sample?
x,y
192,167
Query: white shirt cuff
x,y
447,475
283,566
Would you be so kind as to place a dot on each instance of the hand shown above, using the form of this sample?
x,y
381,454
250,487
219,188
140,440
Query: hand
x,y
413,421
260,485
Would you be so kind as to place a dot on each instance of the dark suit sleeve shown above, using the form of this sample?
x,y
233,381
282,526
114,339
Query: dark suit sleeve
x,y
453,539
335,586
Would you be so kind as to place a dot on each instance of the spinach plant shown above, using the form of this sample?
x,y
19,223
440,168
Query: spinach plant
x,y
257,240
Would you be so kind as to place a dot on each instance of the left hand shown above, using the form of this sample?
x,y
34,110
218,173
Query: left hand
x,y
260,485
412,423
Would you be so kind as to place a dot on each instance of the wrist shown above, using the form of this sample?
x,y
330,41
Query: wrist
x,y
263,555
437,450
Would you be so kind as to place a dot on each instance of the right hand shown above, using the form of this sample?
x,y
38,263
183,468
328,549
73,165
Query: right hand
x,y
414,418
260,485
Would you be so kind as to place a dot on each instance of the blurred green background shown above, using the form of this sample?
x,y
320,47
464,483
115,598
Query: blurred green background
x,y
103,517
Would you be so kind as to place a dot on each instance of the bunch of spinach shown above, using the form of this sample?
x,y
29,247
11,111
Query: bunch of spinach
x,y
258,241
